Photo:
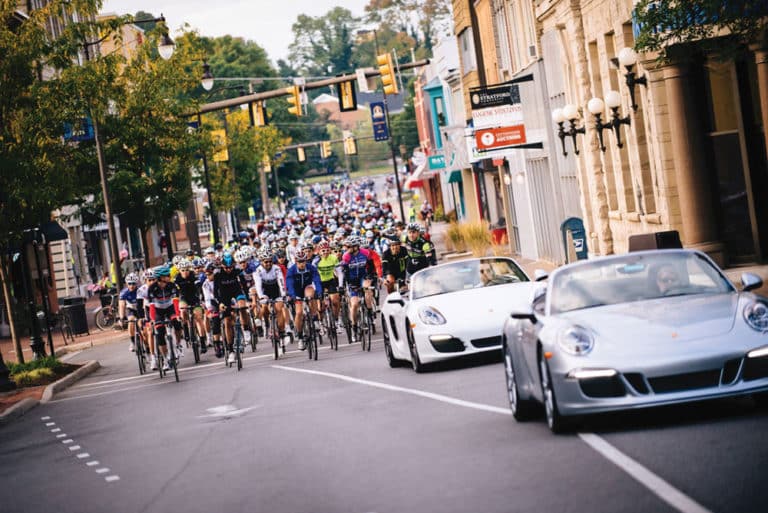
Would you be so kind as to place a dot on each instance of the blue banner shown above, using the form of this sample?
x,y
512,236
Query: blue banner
x,y
379,121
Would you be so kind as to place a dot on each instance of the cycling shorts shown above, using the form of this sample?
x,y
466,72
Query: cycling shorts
x,y
272,291
331,286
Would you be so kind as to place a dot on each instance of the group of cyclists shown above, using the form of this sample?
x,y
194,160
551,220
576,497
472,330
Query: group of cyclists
x,y
346,242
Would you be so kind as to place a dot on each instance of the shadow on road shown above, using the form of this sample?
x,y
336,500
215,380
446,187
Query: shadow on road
x,y
467,362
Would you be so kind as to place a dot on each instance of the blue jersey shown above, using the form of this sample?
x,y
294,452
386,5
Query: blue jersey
x,y
297,280
129,296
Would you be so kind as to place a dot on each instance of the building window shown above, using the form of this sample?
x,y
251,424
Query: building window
x,y
467,48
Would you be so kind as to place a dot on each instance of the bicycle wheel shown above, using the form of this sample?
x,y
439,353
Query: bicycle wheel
x,y
254,333
160,360
333,336
239,348
346,321
313,339
172,363
369,324
275,334
195,344
140,356
104,319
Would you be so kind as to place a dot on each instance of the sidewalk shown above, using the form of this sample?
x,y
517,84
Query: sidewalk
x,y
95,337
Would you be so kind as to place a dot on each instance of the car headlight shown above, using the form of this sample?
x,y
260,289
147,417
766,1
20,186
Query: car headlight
x,y
756,315
576,341
430,315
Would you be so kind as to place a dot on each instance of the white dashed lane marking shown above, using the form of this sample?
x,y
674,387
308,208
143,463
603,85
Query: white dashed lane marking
x,y
81,456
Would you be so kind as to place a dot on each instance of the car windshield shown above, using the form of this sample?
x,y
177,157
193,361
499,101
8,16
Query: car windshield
x,y
467,274
635,277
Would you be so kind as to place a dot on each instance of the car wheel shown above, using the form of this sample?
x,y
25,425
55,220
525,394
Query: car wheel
x,y
521,409
418,367
557,423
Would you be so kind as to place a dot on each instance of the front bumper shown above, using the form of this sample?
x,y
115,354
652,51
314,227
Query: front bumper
x,y
647,387
437,343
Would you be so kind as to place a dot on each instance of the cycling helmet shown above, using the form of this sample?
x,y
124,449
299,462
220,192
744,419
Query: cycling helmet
x,y
323,245
190,252
177,259
211,267
241,256
184,265
393,239
162,270
280,253
414,227
265,254
352,240
210,251
369,234
227,260
132,279
149,274
301,255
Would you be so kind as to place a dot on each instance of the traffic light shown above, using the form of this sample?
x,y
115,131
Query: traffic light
x,y
301,154
388,78
325,149
294,100
347,96
350,146
259,113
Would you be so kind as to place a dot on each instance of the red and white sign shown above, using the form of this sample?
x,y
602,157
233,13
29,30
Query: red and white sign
x,y
502,115
491,138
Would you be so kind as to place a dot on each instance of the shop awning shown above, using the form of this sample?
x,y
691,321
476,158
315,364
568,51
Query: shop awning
x,y
455,176
414,181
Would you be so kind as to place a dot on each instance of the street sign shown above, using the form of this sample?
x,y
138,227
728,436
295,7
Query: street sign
x,y
494,96
379,121
362,81
436,162
492,138
81,130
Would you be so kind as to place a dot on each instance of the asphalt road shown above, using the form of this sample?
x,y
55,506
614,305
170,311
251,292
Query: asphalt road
x,y
352,435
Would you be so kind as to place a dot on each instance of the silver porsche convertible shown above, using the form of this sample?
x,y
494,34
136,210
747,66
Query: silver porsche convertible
x,y
636,330
451,310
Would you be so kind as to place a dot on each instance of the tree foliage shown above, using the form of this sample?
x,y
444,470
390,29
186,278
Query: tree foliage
x,y
323,45
719,26
423,20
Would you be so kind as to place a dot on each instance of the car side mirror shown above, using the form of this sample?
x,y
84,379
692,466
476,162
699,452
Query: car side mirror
x,y
750,281
540,275
524,316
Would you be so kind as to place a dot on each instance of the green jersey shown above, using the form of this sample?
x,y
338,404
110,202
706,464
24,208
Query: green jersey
x,y
327,267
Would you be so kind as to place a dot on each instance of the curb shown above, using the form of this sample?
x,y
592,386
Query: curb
x,y
17,410
68,380
80,346
23,406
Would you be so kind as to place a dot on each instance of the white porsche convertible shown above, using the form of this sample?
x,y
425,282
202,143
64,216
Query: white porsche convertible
x,y
451,310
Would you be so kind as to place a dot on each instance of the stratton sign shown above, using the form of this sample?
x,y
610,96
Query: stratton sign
x,y
484,97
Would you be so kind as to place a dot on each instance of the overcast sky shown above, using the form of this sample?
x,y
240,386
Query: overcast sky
x,y
267,22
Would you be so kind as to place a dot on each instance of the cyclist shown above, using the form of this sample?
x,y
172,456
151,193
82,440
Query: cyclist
x,y
128,309
394,262
247,267
212,308
228,285
270,284
358,270
421,252
163,297
303,283
143,303
376,260
189,298
426,213
326,264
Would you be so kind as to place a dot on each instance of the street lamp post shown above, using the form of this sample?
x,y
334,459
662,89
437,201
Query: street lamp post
x,y
389,125
165,49
211,209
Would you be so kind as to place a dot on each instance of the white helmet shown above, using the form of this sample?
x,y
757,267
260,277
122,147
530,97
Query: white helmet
x,y
184,265
132,279
241,256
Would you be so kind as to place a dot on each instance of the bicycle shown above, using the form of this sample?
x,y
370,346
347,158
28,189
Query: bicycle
x,y
172,360
141,350
254,331
194,337
237,332
344,313
364,318
308,330
106,315
64,323
274,332
329,320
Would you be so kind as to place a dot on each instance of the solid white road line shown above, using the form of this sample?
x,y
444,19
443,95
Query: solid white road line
x,y
109,479
645,477
662,489
394,388
55,430
92,463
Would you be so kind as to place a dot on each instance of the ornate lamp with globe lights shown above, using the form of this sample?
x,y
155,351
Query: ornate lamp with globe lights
x,y
596,107
628,58
568,113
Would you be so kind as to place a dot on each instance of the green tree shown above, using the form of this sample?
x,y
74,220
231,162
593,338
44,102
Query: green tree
x,y
323,45
431,17
722,27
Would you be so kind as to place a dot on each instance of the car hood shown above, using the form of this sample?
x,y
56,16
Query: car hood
x,y
680,318
491,305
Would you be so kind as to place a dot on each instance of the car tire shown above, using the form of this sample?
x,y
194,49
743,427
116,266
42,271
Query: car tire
x,y
557,423
418,367
522,409
391,360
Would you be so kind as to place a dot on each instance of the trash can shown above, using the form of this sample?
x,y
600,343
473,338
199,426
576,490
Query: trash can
x,y
74,307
